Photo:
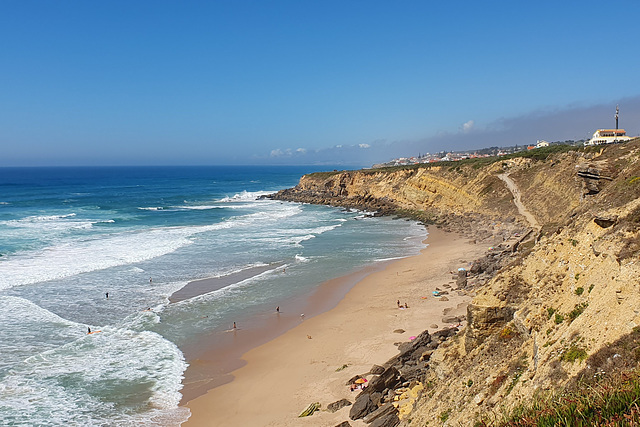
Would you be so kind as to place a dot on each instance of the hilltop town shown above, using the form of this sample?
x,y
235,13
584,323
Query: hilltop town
x,y
454,156
600,137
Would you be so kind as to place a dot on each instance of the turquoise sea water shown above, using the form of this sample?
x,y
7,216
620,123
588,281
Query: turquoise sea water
x,y
70,235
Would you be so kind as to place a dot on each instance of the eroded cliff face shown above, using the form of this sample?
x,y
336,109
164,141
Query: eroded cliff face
x,y
561,313
436,194
563,304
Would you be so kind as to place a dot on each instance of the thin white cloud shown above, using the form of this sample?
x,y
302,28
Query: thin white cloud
x,y
288,152
364,145
466,127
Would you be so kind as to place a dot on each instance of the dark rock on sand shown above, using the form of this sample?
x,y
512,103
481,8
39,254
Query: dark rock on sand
x,y
391,420
399,331
389,379
353,380
344,424
444,334
381,412
453,319
376,398
461,280
376,370
413,350
362,406
336,406
413,372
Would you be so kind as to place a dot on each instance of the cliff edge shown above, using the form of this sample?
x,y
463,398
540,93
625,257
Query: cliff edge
x,y
563,306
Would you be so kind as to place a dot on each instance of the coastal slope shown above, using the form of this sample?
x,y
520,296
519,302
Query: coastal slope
x,y
561,306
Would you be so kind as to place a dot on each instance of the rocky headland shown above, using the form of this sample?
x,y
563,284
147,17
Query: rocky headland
x,y
557,297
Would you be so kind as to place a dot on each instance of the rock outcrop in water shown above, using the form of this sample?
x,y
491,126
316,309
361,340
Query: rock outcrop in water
x,y
556,306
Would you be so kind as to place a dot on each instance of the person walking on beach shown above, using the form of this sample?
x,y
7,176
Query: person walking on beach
x,y
278,309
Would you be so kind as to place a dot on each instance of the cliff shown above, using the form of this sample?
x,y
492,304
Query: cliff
x,y
565,305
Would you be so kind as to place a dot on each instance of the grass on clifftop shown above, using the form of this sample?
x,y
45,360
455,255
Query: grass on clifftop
x,y
605,393
613,402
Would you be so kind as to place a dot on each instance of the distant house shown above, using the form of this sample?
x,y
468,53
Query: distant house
x,y
608,136
542,143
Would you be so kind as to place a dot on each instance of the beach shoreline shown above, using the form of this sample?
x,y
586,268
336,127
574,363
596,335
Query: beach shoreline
x,y
312,361
213,359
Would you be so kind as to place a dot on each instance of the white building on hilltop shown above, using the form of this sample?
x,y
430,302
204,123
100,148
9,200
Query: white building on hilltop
x,y
541,143
609,136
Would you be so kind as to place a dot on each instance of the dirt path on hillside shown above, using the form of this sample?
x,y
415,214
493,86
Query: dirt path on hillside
x,y
511,185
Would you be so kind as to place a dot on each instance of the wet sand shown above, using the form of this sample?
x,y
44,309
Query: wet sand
x,y
214,357
280,378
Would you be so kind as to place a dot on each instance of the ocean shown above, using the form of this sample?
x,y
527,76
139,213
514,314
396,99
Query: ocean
x,y
69,236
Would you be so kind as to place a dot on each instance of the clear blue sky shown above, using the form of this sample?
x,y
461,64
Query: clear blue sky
x,y
305,82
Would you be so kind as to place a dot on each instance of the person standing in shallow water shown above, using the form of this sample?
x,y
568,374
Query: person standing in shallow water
x,y
107,295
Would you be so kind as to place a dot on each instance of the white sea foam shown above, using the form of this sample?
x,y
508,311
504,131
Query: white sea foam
x,y
198,208
10,305
82,256
85,382
151,208
37,219
235,269
234,288
301,258
297,240
49,223
244,196
391,258
32,331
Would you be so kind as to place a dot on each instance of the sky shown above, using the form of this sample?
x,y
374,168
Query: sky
x,y
159,82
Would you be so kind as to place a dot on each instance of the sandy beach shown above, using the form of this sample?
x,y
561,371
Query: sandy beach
x,y
313,361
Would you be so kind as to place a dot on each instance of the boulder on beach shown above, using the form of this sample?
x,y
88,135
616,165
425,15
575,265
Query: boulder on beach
x,y
353,379
381,412
376,370
390,420
362,406
337,405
